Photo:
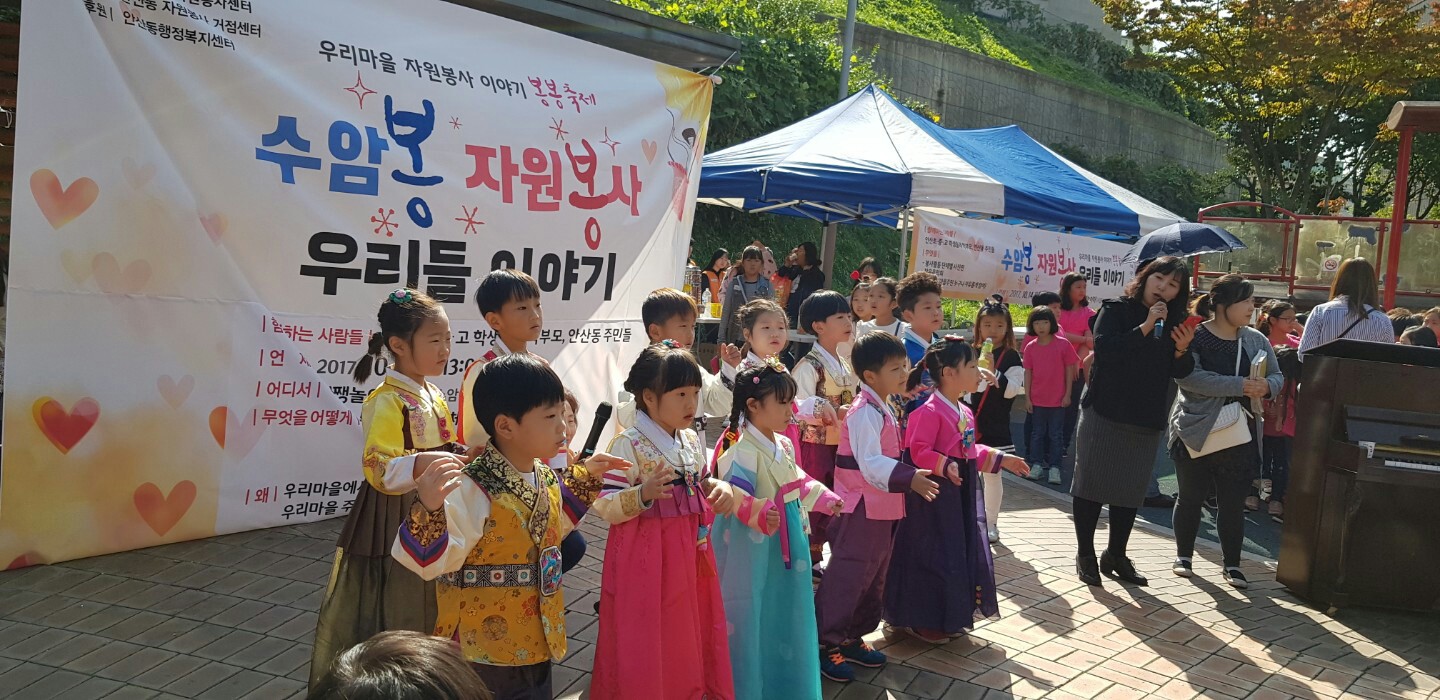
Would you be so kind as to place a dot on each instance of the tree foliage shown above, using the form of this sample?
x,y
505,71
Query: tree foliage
x,y
1292,85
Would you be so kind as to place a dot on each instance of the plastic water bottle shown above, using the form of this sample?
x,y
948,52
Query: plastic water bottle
x,y
987,350
705,304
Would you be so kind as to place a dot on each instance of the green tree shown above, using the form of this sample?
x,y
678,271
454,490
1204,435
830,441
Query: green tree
x,y
1287,81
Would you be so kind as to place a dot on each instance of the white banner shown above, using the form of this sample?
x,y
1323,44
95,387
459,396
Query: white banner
x,y
975,258
214,196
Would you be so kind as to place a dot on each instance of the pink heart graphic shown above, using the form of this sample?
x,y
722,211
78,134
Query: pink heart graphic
x,y
175,391
58,203
215,224
137,175
113,280
76,267
649,147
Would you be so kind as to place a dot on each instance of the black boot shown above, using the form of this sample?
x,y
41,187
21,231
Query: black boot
x,y
1087,569
1121,568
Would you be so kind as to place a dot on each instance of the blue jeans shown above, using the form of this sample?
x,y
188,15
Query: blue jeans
x,y
1047,443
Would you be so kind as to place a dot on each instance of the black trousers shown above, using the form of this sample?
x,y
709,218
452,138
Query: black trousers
x,y
517,682
1225,472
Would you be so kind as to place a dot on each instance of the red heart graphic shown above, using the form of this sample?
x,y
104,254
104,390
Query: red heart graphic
x,y
113,280
162,512
65,430
215,224
58,203
232,435
175,392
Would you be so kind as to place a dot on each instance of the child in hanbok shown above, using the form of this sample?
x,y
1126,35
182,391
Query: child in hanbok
x,y
761,550
872,479
407,427
766,330
662,622
941,576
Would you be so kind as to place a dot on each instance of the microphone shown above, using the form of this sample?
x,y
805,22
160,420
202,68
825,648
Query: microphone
x,y
1159,328
602,416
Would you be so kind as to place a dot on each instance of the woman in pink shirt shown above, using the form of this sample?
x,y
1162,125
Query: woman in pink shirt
x,y
1075,316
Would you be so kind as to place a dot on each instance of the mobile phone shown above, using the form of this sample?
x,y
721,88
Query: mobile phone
x,y
1192,321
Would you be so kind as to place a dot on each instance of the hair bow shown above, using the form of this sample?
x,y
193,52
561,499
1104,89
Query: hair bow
x,y
994,300
855,275
402,296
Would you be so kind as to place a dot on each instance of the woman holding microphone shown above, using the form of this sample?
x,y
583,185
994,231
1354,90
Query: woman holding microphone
x,y
1141,344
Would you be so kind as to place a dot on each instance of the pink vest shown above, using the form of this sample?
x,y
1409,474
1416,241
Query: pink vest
x,y
850,484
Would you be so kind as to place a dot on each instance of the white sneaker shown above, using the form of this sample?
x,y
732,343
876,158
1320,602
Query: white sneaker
x,y
1236,578
994,535
1182,567
1055,476
1037,473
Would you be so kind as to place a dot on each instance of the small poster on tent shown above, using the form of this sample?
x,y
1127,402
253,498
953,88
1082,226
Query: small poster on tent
x,y
975,258
214,198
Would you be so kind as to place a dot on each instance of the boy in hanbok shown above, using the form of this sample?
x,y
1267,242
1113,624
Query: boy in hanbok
x,y
662,622
942,577
509,300
491,533
669,314
760,551
872,480
919,301
825,386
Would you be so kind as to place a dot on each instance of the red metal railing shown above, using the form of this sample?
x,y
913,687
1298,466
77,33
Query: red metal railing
x,y
1290,225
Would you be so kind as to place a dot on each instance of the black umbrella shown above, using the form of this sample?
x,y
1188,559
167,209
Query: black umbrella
x,y
1183,239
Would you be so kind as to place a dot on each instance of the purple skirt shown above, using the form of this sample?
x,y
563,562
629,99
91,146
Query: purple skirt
x,y
942,576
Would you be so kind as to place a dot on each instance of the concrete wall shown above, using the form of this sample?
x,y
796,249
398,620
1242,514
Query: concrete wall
x,y
973,91
1083,12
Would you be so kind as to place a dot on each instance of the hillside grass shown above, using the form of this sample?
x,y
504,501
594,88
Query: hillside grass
x,y
947,23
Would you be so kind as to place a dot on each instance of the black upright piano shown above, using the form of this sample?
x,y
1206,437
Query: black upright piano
x,y
1362,512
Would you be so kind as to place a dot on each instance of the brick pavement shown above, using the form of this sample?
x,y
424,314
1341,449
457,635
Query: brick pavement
x,y
233,617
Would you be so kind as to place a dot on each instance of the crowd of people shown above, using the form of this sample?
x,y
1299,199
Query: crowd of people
x,y
860,485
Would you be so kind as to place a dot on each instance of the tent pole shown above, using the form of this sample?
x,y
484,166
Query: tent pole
x,y
848,49
904,230
827,254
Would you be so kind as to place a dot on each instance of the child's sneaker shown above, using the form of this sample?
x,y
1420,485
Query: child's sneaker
x,y
1037,472
861,653
1055,476
834,666
993,535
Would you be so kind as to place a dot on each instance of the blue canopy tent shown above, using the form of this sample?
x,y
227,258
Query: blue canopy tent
x,y
870,160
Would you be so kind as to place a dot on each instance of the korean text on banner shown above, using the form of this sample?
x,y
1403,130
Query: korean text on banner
x,y
975,258
220,196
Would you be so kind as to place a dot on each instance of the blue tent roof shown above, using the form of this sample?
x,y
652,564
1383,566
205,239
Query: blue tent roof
x,y
868,157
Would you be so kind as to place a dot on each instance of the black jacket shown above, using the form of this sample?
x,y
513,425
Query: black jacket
x,y
807,282
992,409
1130,378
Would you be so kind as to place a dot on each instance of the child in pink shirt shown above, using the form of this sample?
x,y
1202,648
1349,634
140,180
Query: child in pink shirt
x,y
1050,367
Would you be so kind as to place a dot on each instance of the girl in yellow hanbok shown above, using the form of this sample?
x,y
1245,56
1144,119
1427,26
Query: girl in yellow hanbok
x,y
407,427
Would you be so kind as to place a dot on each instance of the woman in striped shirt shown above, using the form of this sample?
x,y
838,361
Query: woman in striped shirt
x,y
1352,312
